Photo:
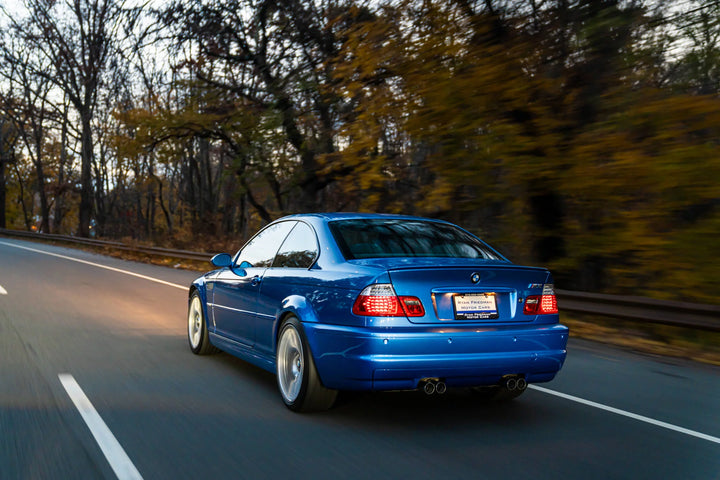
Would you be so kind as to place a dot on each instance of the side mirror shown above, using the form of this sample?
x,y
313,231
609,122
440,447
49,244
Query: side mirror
x,y
221,260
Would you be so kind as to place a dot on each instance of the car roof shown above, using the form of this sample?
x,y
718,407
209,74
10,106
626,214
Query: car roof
x,y
357,216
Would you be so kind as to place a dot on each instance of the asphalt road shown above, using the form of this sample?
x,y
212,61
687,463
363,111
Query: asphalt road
x,y
175,415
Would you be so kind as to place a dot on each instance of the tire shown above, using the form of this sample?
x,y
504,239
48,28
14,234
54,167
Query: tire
x,y
298,380
197,328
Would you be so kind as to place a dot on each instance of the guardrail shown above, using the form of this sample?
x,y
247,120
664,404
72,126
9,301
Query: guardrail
x,y
666,312
166,252
679,314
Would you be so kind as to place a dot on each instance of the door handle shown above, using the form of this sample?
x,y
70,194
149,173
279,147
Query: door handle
x,y
255,281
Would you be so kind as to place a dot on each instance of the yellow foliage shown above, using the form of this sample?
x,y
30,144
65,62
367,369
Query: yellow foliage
x,y
485,131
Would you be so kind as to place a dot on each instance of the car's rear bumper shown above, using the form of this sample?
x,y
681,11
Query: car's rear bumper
x,y
351,358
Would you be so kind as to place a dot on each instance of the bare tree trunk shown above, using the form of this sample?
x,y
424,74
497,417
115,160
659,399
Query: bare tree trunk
x,y
166,213
5,154
60,192
21,184
2,187
44,209
86,154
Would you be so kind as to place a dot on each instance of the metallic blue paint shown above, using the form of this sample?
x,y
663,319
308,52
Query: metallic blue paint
x,y
383,359
386,353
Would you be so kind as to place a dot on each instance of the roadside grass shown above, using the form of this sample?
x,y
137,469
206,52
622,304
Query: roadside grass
x,y
691,344
184,264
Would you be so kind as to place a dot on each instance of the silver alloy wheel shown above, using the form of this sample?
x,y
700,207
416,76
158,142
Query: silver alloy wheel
x,y
290,363
195,324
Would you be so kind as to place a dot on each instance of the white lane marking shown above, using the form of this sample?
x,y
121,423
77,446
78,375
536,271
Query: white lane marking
x,y
126,272
111,448
634,416
2,291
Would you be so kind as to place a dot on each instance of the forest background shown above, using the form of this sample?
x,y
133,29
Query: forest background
x,y
581,135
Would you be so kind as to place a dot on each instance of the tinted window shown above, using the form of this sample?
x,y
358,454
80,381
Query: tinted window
x,y
299,249
261,250
375,238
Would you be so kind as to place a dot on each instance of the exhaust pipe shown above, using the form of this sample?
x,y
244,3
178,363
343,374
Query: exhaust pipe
x,y
516,383
429,388
432,385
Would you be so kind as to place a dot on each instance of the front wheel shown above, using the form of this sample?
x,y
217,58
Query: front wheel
x,y
297,377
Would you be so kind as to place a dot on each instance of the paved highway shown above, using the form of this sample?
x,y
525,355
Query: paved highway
x,y
97,382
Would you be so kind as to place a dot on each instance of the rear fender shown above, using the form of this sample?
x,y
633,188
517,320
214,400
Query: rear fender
x,y
293,305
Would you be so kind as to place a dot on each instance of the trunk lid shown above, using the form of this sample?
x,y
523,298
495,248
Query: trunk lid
x,y
482,293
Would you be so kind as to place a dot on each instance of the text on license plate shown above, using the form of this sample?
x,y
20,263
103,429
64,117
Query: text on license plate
x,y
475,306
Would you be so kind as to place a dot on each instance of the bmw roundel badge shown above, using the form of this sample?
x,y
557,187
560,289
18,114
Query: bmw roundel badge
x,y
475,277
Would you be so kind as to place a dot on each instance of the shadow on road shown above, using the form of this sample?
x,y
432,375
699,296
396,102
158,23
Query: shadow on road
x,y
457,409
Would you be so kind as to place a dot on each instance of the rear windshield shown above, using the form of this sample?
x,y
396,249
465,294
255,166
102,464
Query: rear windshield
x,y
380,238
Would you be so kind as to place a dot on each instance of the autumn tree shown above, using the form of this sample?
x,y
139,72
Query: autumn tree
x,y
77,39
30,114
272,58
535,130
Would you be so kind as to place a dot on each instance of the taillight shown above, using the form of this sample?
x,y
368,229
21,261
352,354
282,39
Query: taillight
x,y
412,306
541,304
380,300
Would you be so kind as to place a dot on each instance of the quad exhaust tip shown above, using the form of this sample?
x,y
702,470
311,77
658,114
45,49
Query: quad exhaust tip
x,y
516,383
433,385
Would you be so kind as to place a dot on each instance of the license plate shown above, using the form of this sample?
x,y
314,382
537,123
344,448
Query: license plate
x,y
475,306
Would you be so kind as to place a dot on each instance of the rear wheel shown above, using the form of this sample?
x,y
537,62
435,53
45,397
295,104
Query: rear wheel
x,y
197,328
297,377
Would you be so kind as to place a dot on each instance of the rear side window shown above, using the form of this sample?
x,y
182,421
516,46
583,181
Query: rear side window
x,y
261,250
378,238
299,249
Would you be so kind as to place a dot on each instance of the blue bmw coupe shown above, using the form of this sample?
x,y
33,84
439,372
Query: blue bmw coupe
x,y
340,301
